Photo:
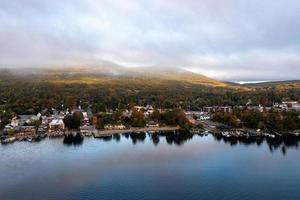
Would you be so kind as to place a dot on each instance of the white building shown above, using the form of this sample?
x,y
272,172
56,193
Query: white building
x,y
290,105
20,120
56,124
114,127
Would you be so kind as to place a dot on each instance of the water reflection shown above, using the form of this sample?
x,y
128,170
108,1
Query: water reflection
x,y
73,140
173,138
106,138
155,139
117,137
279,143
170,136
138,137
111,168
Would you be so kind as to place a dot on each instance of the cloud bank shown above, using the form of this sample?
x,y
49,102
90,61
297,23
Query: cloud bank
x,y
224,39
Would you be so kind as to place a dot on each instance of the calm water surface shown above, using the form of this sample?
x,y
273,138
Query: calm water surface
x,y
150,167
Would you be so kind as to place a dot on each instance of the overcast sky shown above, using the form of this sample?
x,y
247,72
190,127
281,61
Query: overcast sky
x,y
224,39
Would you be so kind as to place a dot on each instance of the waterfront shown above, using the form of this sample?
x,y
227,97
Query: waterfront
x,y
150,166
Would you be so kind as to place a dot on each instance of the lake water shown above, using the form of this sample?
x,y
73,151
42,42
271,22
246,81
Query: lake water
x,y
141,167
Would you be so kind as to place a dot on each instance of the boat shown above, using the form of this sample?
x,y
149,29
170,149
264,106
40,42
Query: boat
x,y
88,134
271,136
296,134
206,132
8,140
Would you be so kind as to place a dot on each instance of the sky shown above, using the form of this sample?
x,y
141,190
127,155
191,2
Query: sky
x,y
240,40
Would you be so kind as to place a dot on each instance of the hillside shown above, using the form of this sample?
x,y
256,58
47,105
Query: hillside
x,y
276,84
113,73
32,90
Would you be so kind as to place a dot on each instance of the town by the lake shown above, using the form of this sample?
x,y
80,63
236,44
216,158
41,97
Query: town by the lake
x,y
149,99
138,153
217,120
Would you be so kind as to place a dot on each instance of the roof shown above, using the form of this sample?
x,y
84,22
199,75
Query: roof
x,y
85,127
56,122
152,123
26,117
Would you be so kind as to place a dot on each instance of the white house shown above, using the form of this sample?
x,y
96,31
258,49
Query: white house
x,y
20,120
56,124
152,124
114,127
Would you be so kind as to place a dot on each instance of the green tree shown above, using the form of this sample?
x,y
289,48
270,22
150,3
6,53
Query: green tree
x,y
175,117
137,118
98,121
155,116
73,121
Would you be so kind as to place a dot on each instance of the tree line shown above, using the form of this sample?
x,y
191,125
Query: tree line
x,y
271,120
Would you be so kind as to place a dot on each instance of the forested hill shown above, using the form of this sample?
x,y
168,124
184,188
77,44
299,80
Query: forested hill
x,y
276,84
32,90
103,75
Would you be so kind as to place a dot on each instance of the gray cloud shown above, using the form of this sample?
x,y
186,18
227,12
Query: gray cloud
x,y
227,39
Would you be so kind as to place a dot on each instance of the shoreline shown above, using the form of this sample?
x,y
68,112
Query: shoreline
x,y
107,133
95,133
209,129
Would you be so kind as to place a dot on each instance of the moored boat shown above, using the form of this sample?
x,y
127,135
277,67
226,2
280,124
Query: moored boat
x,y
8,140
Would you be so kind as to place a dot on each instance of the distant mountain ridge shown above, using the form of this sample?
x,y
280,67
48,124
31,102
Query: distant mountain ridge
x,y
107,72
110,72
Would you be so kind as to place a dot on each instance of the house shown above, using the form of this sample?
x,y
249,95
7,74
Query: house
x,y
24,131
290,105
152,124
139,108
27,130
89,112
226,109
148,110
8,127
20,120
42,130
56,125
204,117
114,127
45,120
86,119
58,116
259,108
127,113
212,109
190,116
209,109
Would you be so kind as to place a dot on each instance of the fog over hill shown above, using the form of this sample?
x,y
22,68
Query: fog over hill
x,y
111,71
245,40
